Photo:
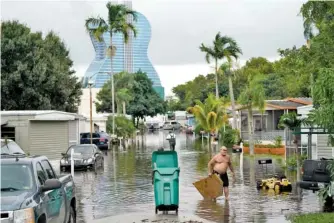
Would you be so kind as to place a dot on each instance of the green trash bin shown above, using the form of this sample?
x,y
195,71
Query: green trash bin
x,y
165,178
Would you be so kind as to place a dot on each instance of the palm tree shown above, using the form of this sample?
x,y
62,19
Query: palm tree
x,y
253,96
210,114
292,122
117,23
224,47
124,96
123,82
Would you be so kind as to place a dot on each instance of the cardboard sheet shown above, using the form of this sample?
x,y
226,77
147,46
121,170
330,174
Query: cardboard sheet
x,y
210,187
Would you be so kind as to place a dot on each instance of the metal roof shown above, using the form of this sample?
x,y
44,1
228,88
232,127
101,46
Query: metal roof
x,y
43,114
283,104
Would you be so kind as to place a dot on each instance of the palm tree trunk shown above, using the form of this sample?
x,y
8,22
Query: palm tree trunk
x,y
216,72
250,130
118,107
234,124
124,111
112,85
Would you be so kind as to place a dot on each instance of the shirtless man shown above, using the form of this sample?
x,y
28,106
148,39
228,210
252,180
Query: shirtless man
x,y
218,165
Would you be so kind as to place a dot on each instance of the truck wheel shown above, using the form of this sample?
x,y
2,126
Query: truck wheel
x,y
72,218
156,210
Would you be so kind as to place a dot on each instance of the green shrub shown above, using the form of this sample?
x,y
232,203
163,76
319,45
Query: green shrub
x,y
228,137
291,162
123,126
271,146
278,141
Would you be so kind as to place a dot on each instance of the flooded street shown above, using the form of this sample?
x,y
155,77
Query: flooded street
x,y
124,187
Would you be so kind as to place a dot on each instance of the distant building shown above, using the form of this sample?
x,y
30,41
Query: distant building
x,y
265,124
129,57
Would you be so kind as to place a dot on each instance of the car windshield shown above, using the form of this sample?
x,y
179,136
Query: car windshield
x,y
104,134
16,177
83,150
10,148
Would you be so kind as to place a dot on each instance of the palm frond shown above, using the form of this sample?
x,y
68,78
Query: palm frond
x,y
209,52
96,27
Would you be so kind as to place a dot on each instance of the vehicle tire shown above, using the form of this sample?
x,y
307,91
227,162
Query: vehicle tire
x,y
73,217
156,210
177,211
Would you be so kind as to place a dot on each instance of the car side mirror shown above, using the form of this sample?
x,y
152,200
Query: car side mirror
x,y
50,184
64,155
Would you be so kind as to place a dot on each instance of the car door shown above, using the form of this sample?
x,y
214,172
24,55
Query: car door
x,y
56,203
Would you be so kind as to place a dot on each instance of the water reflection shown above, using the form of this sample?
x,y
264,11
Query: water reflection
x,y
125,185
215,211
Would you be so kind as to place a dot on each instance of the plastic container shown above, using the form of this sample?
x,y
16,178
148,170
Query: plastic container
x,y
165,178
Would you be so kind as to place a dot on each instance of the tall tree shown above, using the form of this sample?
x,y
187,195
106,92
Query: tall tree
x,y
253,96
224,47
315,13
117,22
123,93
145,101
36,72
123,84
322,115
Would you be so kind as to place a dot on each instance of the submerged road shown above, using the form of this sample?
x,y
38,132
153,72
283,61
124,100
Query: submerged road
x,y
123,190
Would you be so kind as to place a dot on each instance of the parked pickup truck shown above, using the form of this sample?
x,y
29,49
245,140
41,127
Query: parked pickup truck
x,y
32,192
315,174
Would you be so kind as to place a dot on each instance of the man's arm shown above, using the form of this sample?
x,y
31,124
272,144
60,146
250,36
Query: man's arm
x,y
211,164
230,165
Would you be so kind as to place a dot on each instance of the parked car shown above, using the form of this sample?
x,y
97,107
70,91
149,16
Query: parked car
x,y
170,125
100,139
10,147
31,191
86,156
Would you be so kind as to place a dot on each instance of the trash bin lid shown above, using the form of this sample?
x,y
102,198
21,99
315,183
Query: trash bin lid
x,y
164,159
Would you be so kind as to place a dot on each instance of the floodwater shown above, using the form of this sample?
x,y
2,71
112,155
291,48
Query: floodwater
x,y
124,187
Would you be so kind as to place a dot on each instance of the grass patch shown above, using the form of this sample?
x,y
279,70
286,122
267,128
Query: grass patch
x,y
313,218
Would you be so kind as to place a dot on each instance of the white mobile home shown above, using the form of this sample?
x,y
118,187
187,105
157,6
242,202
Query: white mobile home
x,y
320,147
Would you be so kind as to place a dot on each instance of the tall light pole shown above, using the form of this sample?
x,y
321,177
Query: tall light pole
x,y
90,83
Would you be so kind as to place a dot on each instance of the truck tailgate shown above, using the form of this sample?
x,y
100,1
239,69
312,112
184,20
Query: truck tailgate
x,y
316,171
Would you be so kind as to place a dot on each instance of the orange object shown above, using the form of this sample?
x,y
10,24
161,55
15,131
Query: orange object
x,y
210,187
274,151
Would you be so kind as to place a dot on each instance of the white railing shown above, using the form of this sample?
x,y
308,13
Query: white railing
x,y
264,135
